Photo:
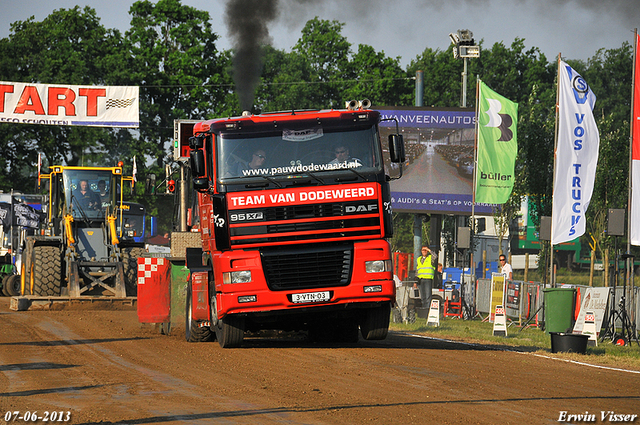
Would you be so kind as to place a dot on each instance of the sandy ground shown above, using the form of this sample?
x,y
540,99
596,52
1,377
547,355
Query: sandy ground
x,y
104,367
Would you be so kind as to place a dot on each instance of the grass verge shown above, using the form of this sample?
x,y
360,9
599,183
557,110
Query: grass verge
x,y
530,340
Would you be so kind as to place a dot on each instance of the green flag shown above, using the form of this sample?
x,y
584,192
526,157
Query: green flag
x,y
497,146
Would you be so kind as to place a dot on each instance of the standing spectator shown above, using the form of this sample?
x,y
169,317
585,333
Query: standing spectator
x,y
425,271
506,268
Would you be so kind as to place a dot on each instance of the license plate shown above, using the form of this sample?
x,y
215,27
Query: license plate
x,y
310,297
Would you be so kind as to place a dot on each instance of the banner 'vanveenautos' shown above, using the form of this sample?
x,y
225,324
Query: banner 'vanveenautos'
x,y
438,173
49,104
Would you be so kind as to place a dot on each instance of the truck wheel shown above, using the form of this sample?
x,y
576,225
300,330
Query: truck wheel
x,y
11,285
193,332
230,331
336,330
375,323
347,331
322,333
47,271
4,285
130,265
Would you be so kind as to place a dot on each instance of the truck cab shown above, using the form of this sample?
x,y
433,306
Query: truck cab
x,y
294,212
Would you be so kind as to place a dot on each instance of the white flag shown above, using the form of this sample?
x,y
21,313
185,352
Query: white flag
x,y
576,156
135,169
133,174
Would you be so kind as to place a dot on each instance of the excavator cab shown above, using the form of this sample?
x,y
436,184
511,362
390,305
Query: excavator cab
x,y
81,251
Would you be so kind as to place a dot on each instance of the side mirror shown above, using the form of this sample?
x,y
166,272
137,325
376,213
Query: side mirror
x,y
200,184
396,148
196,158
196,142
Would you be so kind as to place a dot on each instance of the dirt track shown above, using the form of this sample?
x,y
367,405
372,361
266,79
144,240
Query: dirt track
x,y
104,367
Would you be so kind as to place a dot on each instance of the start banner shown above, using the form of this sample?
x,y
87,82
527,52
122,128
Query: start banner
x,y
95,106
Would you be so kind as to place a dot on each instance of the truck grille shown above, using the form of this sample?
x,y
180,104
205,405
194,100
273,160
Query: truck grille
x,y
310,267
299,223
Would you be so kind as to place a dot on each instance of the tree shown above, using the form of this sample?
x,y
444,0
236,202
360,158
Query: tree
x,y
286,82
171,55
441,72
327,52
377,78
67,47
503,216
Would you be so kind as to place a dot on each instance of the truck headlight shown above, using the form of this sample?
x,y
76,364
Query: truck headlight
x,y
377,266
242,276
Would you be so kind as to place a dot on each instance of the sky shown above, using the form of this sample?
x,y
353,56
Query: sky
x,y
574,28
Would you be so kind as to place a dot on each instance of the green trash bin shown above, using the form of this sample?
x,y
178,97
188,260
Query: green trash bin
x,y
559,307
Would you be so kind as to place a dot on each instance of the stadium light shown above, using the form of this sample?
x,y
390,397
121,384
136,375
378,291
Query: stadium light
x,y
464,47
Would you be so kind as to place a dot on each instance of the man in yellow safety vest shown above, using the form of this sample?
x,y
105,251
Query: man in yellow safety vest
x,y
425,271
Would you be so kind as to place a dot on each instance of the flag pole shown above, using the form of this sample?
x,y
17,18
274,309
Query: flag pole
x,y
475,173
631,121
555,148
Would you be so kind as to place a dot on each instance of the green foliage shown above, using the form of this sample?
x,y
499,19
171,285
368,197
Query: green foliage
x,y
285,82
170,52
441,77
67,47
378,78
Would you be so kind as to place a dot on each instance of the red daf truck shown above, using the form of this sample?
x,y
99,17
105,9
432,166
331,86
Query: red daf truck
x,y
294,211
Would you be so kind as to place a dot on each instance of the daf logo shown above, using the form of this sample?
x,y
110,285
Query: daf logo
x,y
361,208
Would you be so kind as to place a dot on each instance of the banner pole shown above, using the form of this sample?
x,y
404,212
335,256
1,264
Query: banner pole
x,y
631,121
475,153
555,148
630,273
475,176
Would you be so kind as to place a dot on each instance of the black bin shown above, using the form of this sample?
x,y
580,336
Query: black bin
x,y
568,342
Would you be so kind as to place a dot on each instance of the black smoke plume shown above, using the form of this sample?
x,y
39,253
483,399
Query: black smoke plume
x,y
247,24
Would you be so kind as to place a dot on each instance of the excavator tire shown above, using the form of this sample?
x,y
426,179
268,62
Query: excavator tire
x,y
130,264
47,271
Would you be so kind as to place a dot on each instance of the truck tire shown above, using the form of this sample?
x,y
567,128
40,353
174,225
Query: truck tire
x,y
335,331
230,331
11,285
193,332
130,264
4,285
347,331
375,323
47,271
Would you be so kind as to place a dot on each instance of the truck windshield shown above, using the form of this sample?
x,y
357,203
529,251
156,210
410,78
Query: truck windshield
x,y
88,192
291,152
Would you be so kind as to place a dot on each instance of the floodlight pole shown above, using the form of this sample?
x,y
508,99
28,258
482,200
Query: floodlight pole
x,y
464,84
